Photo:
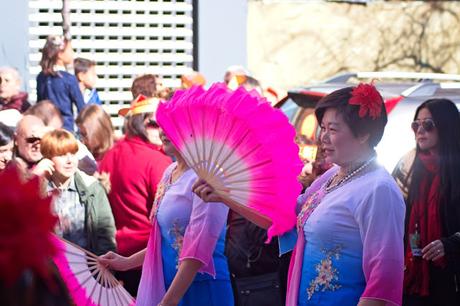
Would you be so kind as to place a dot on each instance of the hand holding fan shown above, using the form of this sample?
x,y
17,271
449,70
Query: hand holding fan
x,y
89,283
240,145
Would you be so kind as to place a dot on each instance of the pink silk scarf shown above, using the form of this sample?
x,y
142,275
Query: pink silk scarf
x,y
152,288
313,199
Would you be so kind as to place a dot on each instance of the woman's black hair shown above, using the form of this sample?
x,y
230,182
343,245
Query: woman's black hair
x,y
135,126
6,134
359,126
447,121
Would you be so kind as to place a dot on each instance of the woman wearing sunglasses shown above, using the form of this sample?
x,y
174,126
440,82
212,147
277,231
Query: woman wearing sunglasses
x,y
432,183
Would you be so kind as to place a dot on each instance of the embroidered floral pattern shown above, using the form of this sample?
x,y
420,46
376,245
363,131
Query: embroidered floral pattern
x,y
162,187
161,190
328,276
308,207
178,239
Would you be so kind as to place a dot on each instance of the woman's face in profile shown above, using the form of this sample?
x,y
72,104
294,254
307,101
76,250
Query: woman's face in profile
x,y
426,134
168,147
340,146
152,130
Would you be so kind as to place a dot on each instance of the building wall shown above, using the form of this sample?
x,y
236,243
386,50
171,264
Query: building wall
x,y
14,36
222,27
222,36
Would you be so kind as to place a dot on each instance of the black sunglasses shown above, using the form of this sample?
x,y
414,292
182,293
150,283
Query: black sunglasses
x,y
152,123
32,139
427,125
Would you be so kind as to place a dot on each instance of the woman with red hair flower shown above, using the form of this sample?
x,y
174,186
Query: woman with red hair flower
x,y
350,221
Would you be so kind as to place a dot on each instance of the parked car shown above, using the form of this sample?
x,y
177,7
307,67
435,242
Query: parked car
x,y
402,93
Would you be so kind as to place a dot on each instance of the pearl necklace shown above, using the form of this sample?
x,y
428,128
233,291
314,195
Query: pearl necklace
x,y
347,177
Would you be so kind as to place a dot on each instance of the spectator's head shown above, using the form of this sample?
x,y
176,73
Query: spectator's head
x,y
193,78
436,126
28,136
146,85
95,129
57,51
436,129
48,113
352,121
250,83
141,120
10,82
85,71
60,146
234,71
6,145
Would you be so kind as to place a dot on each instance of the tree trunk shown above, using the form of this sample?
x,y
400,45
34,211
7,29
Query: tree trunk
x,y
66,19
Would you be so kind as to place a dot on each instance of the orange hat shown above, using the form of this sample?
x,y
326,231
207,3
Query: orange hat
x,y
140,105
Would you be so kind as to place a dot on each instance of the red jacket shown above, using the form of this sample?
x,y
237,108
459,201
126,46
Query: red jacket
x,y
18,102
135,169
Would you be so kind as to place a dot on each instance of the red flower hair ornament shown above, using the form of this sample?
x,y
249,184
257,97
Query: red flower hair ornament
x,y
368,99
26,224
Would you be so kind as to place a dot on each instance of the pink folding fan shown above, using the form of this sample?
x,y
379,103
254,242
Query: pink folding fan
x,y
89,283
240,145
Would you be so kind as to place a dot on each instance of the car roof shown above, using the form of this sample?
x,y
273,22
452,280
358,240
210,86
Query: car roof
x,y
390,85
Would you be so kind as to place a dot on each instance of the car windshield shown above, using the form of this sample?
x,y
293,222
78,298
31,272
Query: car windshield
x,y
289,108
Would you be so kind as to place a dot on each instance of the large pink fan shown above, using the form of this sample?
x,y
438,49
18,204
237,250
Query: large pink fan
x,y
239,144
88,282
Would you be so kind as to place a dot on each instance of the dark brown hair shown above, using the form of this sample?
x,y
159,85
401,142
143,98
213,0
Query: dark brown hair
x,y
145,85
99,129
82,65
135,126
46,111
350,113
54,44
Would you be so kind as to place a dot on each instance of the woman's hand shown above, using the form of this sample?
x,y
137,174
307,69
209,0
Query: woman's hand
x,y
205,191
433,251
44,168
114,261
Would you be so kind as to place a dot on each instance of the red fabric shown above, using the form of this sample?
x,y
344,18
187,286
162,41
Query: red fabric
x,y
135,169
425,212
368,99
26,223
391,103
18,102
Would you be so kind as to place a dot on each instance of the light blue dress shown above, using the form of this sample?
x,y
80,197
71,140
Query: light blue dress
x,y
353,242
193,229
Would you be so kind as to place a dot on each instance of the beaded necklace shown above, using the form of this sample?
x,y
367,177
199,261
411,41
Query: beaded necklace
x,y
315,199
347,177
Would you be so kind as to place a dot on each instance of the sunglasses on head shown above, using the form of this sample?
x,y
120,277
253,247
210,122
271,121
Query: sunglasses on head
x,y
152,123
427,125
32,139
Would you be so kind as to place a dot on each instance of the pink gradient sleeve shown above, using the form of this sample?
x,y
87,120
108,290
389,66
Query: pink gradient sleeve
x,y
207,221
381,222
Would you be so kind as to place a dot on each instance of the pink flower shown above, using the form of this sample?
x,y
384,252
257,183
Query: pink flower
x,y
368,99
